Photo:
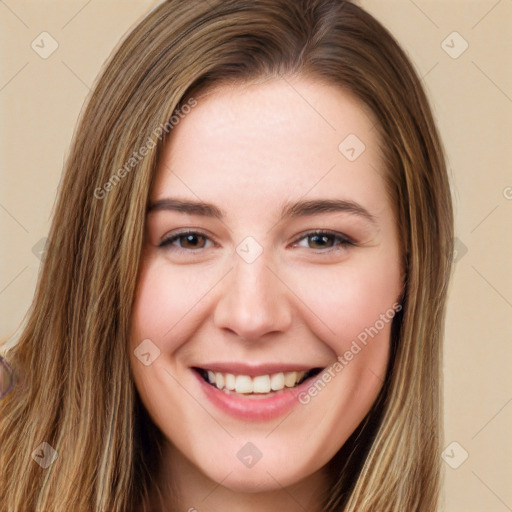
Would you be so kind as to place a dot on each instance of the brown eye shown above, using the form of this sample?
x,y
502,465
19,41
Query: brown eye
x,y
187,241
192,241
320,241
327,240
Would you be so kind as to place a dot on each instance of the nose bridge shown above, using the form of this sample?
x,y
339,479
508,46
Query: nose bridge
x,y
253,300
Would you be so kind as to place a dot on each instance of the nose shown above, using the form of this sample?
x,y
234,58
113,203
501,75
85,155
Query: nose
x,y
254,301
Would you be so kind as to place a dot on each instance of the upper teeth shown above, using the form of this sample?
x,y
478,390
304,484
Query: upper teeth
x,y
259,384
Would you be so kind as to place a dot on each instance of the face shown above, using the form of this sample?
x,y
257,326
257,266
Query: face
x,y
269,279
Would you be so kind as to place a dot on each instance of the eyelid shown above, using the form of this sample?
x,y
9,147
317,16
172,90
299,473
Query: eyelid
x,y
343,239
173,236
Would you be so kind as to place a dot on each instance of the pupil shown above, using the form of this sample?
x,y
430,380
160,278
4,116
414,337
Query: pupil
x,y
191,239
320,239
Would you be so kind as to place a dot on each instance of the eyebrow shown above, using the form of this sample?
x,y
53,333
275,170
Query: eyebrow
x,y
289,210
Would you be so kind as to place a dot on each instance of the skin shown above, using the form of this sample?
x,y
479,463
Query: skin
x,y
248,150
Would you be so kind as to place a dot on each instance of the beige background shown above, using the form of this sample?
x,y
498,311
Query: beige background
x,y
472,98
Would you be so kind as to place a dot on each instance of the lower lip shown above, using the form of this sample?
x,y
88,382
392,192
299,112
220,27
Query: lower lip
x,y
254,409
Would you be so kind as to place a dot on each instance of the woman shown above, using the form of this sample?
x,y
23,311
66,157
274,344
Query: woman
x,y
243,299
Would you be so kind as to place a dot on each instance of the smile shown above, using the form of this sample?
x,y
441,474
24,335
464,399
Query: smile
x,y
259,384
254,393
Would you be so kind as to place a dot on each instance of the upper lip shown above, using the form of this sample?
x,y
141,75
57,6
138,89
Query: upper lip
x,y
253,370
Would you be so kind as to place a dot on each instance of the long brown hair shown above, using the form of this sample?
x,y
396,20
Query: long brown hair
x,y
75,390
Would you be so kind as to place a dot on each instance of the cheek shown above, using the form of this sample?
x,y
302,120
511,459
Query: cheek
x,y
166,301
353,302
165,311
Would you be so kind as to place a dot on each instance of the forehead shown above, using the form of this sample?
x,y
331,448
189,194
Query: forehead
x,y
271,141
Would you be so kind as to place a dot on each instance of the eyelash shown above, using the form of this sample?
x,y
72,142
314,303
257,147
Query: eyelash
x,y
342,239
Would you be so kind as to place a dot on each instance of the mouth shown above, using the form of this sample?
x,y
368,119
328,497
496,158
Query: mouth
x,y
262,386
250,392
